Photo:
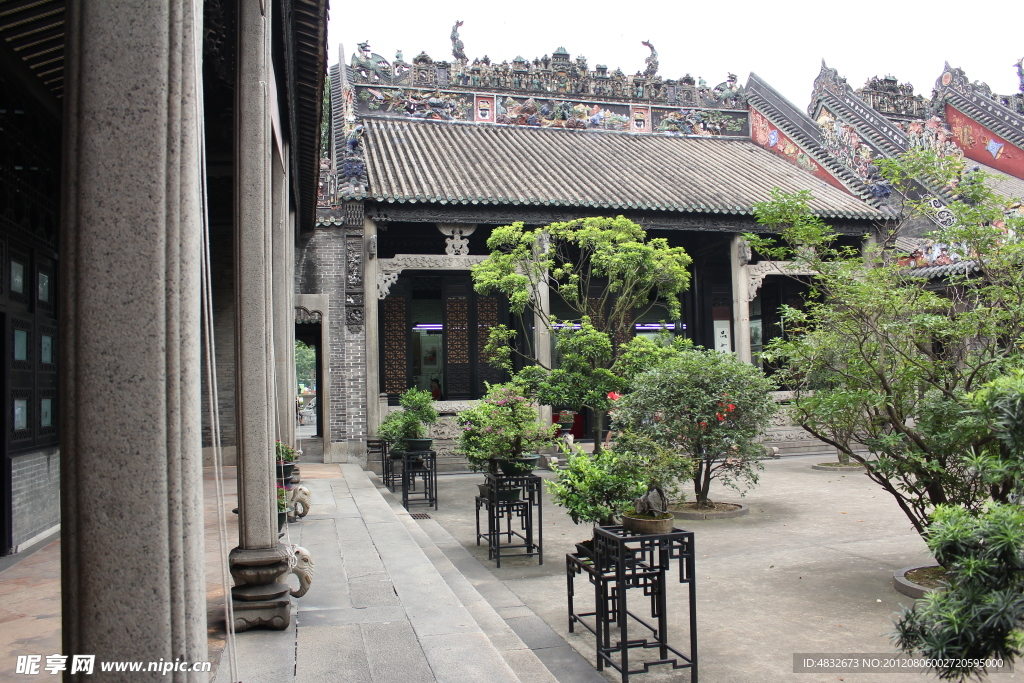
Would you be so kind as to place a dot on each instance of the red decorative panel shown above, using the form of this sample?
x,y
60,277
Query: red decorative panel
x,y
984,146
395,342
768,135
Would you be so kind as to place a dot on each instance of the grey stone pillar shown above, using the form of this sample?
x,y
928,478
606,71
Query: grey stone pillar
x,y
132,565
739,255
259,600
371,312
284,302
542,339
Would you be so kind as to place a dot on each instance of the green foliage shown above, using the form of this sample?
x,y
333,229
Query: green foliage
x,y
410,422
607,272
979,615
286,453
282,499
502,426
597,487
305,363
880,363
710,407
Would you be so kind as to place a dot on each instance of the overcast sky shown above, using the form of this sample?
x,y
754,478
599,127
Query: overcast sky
x,y
910,40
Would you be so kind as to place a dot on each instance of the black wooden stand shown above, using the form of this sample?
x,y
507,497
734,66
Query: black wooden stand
x,y
511,497
622,560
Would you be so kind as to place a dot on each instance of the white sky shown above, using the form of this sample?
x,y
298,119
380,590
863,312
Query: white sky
x,y
910,40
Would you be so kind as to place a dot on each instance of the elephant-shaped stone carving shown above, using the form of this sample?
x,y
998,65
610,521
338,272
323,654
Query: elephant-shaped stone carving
x,y
302,500
300,563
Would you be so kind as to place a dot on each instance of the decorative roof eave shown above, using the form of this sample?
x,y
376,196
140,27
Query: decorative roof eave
x,y
610,206
831,90
801,128
979,103
405,212
305,54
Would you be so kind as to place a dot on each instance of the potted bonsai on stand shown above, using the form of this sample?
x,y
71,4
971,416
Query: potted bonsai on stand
x,y
406,428
498,433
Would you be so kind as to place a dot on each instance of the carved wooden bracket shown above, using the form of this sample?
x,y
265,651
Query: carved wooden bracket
x,y
390,268
757,272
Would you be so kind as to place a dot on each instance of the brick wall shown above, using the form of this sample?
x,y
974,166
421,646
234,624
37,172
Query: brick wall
x,y
324,264
35,480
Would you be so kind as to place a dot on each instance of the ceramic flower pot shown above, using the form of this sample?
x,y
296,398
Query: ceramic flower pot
x,y
284,470
418,444
644,525
521,465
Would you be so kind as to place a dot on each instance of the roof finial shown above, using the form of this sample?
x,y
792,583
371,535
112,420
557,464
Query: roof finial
x,y
458,49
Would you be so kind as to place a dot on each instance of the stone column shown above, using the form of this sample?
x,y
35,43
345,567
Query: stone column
x,y
371,312
132,559
259,600
739,255
542,339
283,258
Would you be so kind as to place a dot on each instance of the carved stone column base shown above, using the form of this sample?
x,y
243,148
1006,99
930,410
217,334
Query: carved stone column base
x,y
272,614
259,600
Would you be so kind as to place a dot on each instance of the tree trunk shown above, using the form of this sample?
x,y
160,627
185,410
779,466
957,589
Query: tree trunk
x,y
702,483
597,430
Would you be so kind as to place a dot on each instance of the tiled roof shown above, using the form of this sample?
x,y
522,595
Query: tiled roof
x,y
450,163
944,270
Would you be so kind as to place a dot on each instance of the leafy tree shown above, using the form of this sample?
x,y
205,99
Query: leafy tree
x,y
305,363
607,272
710,406
979,616
881,364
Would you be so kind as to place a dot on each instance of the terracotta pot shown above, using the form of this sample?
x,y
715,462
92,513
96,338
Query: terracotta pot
x,y
643,525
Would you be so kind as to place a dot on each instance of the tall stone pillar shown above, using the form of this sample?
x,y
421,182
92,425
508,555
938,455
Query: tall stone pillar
x,y
371,275
542,339
283,259
739,255
259,600
132,566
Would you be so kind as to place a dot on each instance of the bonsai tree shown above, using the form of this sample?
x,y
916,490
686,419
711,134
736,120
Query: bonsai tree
x,y
882,365
661,470
596,487
503,426
411,421
710,407
638,476
607,272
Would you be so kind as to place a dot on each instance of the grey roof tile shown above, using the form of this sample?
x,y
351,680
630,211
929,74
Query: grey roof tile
x,y
444,162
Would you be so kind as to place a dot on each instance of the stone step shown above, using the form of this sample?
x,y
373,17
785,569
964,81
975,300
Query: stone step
x,y
532,648
378,609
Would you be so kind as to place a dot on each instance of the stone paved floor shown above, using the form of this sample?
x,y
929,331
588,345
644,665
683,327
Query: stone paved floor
x,y
809,570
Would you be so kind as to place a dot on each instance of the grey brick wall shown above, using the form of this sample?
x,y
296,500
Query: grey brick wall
x,y
321,267
35,480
